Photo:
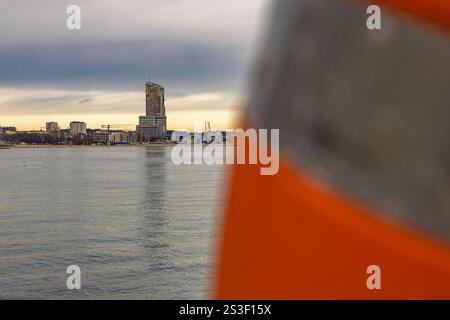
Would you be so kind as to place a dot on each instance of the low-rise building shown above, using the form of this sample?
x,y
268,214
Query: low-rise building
x,y
119,137
52,128
8,129
101,136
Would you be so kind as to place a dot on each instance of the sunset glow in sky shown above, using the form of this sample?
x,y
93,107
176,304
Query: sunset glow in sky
x,y
200,50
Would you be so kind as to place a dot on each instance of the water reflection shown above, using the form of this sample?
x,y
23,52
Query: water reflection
x,y
137,225
155,220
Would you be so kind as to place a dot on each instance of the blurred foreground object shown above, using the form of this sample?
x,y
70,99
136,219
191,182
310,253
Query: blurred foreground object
x,y
365,170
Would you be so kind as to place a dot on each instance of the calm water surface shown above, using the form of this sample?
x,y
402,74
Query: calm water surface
x,y
138,226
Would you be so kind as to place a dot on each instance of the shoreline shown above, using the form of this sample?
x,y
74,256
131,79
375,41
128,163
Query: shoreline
x,y
51,146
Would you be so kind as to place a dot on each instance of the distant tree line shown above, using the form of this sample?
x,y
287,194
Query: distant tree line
x,y
31,138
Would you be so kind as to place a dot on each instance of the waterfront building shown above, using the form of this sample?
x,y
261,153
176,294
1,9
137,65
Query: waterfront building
x,y
77,128
149,133
154,99
100,136
51,128
153,121
8,129
119,137
153,125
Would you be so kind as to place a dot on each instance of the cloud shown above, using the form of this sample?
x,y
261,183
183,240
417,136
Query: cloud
x,y
210,101
39,102
111,20
199,50
192,45
86,100
185,67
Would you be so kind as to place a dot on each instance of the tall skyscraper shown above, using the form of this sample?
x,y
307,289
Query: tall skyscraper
x,y
154,94
153,125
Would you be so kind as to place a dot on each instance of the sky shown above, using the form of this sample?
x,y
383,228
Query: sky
x,y
199,50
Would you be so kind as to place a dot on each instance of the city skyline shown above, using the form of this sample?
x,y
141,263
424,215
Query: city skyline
x,y
176,120
52,74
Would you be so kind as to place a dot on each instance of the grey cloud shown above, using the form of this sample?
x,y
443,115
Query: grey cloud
x,y
58,100
186,67
190,46
86,100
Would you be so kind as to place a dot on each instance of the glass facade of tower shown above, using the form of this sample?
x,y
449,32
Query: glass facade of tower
x,y
154,100
154,124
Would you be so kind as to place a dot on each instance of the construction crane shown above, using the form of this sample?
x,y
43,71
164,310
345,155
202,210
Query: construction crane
x,y
118,127
207,126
